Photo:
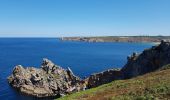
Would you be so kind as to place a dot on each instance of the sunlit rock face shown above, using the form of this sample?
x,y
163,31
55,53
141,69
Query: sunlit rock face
x,y
49,80
103,77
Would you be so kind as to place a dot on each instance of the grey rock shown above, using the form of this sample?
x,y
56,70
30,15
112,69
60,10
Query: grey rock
x,y
49,80
103,77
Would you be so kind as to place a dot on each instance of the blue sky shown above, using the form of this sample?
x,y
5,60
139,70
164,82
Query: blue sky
x,y
53,18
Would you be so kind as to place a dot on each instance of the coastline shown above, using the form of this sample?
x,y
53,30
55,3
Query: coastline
x,y
48,80
130,39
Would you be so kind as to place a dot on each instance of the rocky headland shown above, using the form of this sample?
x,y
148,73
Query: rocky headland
x,y
52,80
49,80
153,39
149,60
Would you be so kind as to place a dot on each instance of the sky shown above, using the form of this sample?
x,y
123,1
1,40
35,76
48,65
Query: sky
x,y
58,18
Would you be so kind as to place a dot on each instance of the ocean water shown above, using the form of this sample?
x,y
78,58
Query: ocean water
x,y
82,57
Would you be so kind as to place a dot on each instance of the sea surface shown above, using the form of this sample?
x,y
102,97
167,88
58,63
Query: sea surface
x,y
82,57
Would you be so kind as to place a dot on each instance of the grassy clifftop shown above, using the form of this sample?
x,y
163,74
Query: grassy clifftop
x,y
151,86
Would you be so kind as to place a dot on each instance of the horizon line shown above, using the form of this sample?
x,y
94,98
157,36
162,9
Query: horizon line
x,y
85,36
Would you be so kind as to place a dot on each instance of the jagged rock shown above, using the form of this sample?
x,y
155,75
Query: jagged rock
x,y
72,76
49,80
48,66
103,77
149,60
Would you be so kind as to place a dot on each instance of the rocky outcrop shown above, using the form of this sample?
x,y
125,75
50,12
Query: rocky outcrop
x,y
103,77
52,80
49,80
149,60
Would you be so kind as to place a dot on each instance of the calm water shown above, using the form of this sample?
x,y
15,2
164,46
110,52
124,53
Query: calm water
x,y
82,57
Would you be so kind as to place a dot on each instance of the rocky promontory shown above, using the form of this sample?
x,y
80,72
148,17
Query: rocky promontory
x,y
149,60
52,80
49,80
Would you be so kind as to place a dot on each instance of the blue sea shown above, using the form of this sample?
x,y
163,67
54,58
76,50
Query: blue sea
x,y
82,57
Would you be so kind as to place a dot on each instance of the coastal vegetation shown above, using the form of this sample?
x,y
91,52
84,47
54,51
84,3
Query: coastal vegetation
x,y
152,86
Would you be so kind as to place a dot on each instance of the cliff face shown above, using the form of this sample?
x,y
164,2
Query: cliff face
x,y
149,60
103,78
49,80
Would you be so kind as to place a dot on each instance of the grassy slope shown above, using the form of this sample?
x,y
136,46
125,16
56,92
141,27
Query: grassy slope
x,y
155,85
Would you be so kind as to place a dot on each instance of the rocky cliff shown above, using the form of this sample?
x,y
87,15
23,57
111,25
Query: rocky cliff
x,y
149,60
103,77
138,64
49,80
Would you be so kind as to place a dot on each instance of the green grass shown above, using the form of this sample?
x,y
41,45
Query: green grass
x,y
152,86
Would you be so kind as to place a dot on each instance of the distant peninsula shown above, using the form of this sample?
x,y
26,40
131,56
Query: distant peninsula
x,y
154,39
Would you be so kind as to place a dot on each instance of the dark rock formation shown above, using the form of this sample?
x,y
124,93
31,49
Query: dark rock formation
x,y
149,60
103,77
49,80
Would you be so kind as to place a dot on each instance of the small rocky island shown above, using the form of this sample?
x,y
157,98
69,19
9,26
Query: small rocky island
x,y
52,80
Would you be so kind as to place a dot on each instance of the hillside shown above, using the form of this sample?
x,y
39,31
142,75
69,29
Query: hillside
x,y
151,86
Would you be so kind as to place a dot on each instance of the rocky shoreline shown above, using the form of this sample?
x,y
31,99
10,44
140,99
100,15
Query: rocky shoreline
x,y
53,80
